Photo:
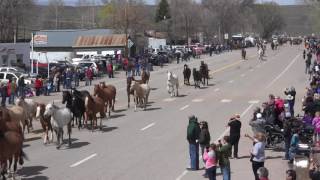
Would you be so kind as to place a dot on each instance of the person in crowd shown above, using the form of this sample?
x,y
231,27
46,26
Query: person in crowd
x,y
21,86
76,77
110,70
316,125
291,97
38,86
243,53
193,132
224,152
304,54
235,129
56,81
137,68
3,90
204,136
69,76
210,158
258,124
11,91
89,76
293,145
291,174
263,173
258,154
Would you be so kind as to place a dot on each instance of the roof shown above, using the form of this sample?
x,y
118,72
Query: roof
x,y
116,40
67,37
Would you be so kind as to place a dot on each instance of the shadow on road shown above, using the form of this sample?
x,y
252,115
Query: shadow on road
x,y
37,178
275,157
32,172
32,139
119,110
114,116
153,89
38,131
244,157
78,145
108,129
182,95
153,109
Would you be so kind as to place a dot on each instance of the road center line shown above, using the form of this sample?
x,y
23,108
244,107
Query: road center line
x,y
225,67
149,126
83,160
184,107
283,72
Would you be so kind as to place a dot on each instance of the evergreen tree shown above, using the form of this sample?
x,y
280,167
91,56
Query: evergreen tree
x,y
163,11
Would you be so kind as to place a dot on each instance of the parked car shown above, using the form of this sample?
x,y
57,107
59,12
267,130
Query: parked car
x,y
12,69
84,64
5,76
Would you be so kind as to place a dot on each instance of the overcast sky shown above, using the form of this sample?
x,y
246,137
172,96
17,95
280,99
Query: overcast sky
x,y
281,2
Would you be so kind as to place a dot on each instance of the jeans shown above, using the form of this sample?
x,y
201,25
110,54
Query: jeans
x,y
211,172
88,81
292,153
255,166
11,98
194,155
38,91
226,173
234,141
287,141
3,100
21,91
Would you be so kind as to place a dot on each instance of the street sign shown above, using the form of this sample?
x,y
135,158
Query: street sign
x,y
130,43
40,39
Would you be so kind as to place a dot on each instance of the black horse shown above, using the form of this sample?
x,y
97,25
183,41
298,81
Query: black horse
x,y
186,74
204,70
75,103
196,78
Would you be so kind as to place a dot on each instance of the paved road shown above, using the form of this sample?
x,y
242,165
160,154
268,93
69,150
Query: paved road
x,y
152,144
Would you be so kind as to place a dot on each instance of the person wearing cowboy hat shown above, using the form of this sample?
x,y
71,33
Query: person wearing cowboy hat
x,y
235,129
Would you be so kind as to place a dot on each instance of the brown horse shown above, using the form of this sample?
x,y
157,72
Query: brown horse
x,y
114,93
93,106
145,76
45,123
106,94
11,141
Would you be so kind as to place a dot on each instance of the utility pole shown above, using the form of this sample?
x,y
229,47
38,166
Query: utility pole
x,y
126,28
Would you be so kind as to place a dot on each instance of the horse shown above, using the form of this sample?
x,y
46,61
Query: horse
x,y
75,105
93,106
114,93
30,106
172,84
186,74
60,117
45,123
19,114
11,140
106,94
140,91
145,76
204,70
260,54
196,77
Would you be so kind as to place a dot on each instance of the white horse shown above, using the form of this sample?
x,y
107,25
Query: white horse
x,y
141,93
60,117
172,84
30,106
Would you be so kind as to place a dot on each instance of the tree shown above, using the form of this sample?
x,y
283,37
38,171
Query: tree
x,y
14,18
270,19
163,11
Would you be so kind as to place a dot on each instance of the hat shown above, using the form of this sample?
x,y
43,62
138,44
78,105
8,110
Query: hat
x,y
289,97
259,115
237,116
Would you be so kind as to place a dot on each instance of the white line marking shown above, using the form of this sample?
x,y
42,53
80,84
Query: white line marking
x,y
243,75
83,160
231,81
197,100
181,175
169,99
283,72
226,100
184,107
149,126
216,90
254,102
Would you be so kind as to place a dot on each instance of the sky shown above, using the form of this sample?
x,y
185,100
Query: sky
x,y
281,2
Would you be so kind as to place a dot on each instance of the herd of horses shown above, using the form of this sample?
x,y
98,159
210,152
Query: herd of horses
x,y
81,106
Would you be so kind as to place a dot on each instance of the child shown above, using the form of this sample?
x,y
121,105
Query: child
x,y
316,125
293,145
209,157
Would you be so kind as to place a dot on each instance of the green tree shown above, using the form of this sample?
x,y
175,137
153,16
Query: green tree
x,y
163,11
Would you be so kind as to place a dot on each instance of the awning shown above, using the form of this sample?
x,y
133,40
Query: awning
x,y
116,40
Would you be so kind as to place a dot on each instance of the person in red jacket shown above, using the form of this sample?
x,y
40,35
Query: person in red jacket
x,y
38,86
